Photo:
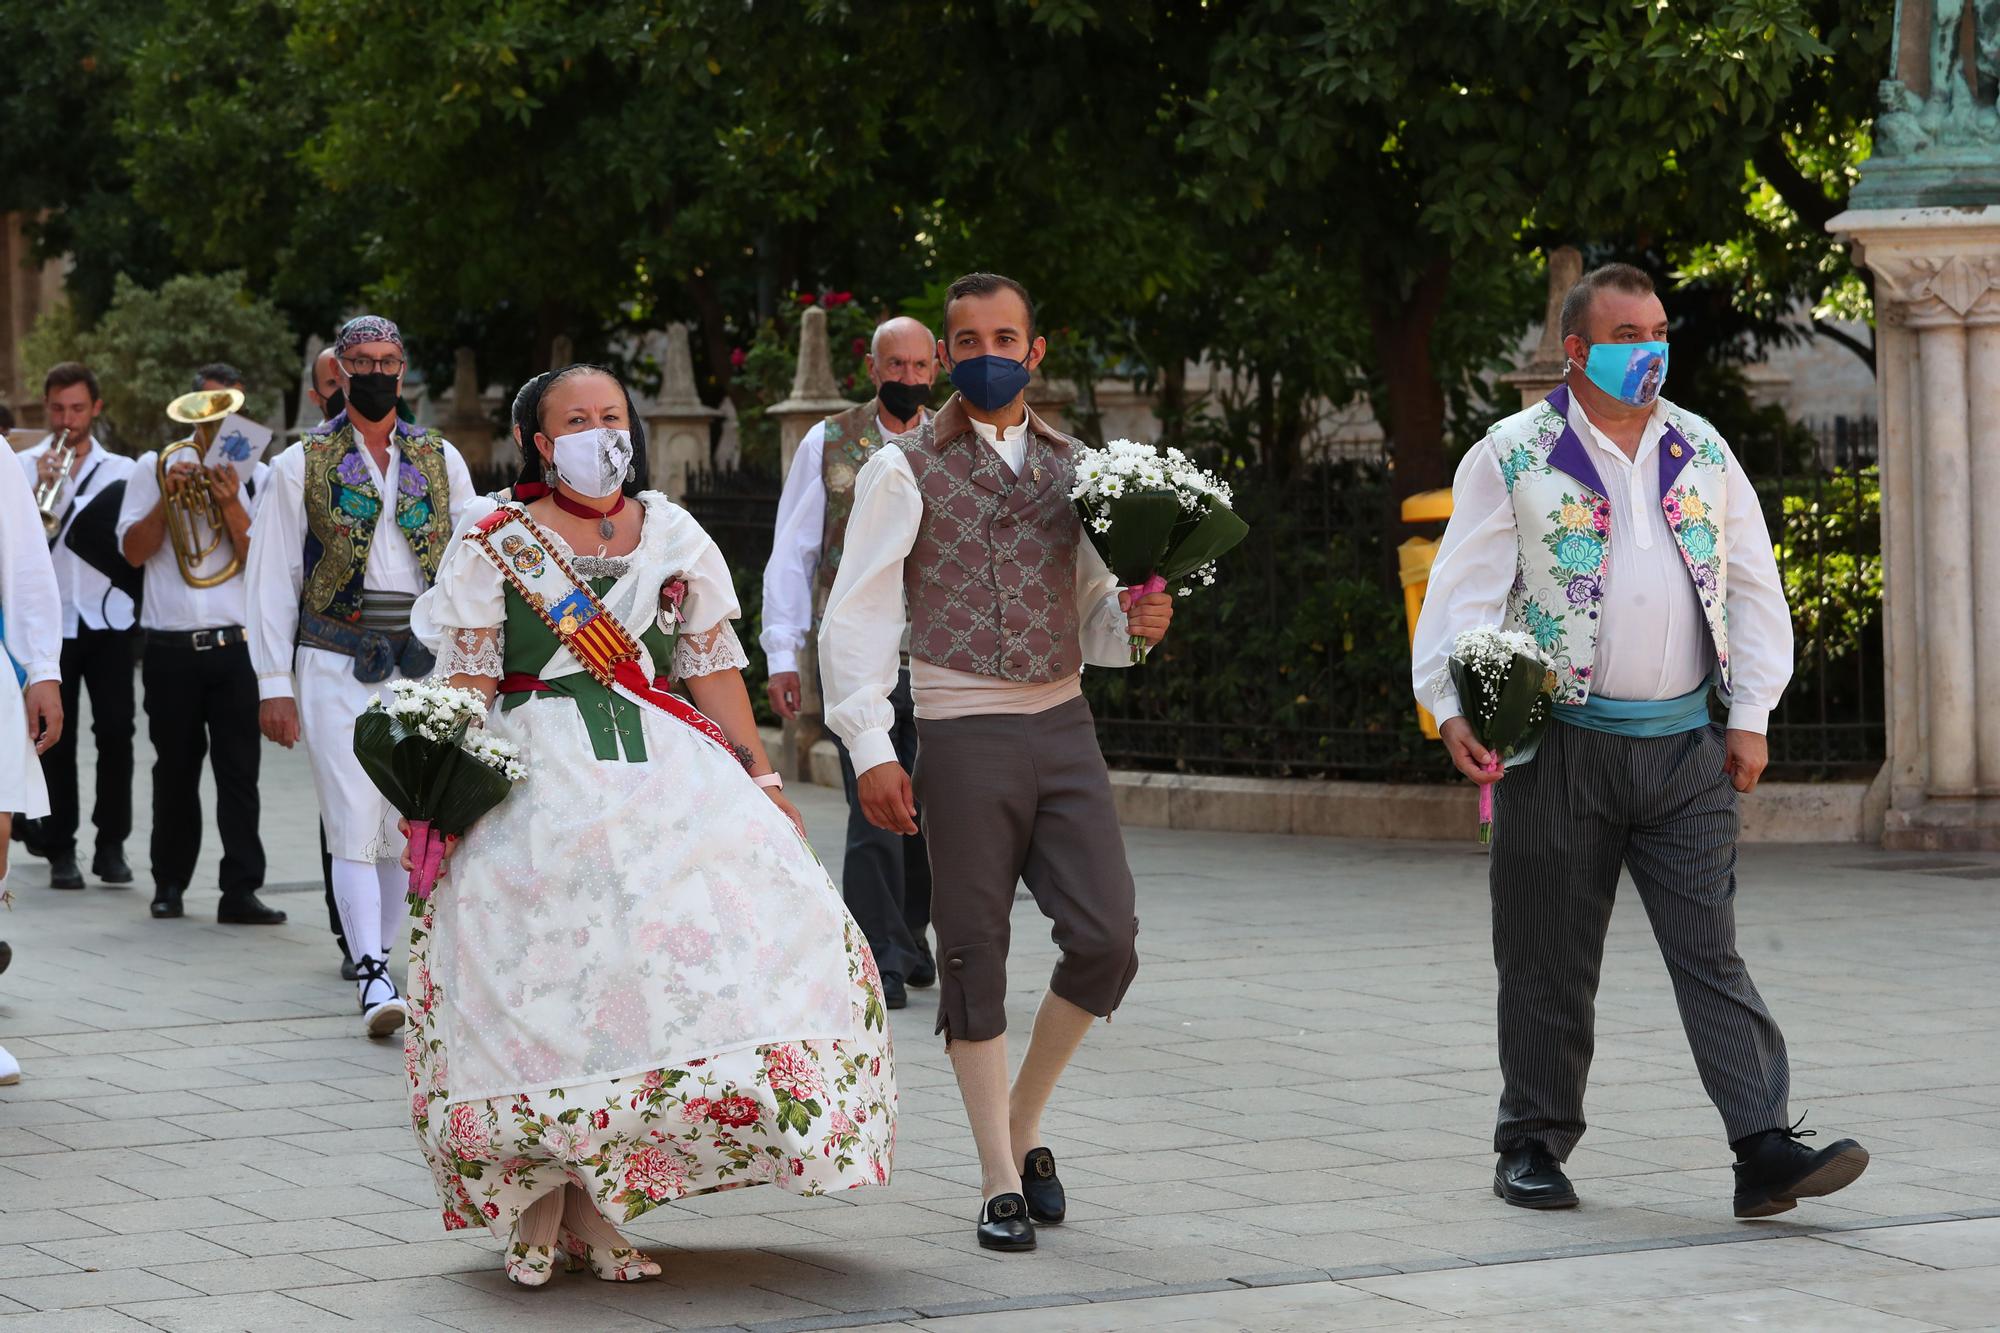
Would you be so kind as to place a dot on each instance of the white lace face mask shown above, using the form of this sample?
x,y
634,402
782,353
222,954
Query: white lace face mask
x,y
593,462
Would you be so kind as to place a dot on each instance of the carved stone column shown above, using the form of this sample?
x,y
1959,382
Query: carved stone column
x,y
1538,379
678,423
815,392
469,426
1937,296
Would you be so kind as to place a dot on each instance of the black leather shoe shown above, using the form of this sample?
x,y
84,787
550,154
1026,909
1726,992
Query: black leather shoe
x,y
1774,1170
1047,1204
248,910
109,866
1531,1177
893,994
167,902
924,975
63,873
1004,1224
348,970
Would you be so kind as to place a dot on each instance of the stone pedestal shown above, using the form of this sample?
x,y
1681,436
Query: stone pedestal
x,y
1538,379
678,423
1937,312
467,425
815,396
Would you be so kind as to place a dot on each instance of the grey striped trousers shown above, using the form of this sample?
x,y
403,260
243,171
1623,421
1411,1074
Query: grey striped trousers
x,y
1588,804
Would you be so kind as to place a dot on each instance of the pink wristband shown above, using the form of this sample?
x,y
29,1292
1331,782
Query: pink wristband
x,y
770,780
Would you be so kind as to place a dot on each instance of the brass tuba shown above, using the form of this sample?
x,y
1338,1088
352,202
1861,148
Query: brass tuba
x,y
194,520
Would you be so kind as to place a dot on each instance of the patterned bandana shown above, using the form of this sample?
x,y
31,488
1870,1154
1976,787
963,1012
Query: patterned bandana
x,y
366,329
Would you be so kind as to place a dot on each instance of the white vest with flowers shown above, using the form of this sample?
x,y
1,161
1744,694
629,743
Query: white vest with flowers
x,y
1564,525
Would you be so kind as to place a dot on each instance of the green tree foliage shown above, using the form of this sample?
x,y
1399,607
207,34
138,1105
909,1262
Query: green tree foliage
x,y
149,343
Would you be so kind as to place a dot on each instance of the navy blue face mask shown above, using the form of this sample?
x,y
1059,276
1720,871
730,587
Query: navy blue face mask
x,y
989,383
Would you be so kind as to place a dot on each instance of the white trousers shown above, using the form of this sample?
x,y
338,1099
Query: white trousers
x,y
360,825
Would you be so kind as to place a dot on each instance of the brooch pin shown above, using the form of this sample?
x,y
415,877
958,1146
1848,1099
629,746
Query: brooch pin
x,y
1674,449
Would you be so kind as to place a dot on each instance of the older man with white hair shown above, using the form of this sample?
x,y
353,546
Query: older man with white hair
x,y
886,878
358,515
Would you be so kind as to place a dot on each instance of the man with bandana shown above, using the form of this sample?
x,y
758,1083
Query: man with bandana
x,y
886,878
357,516
1617,529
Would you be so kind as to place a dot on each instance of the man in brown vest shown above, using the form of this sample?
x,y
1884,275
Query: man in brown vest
x,y
969,524
885,878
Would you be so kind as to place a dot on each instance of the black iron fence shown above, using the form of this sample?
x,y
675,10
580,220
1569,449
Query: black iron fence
x,y
1296,663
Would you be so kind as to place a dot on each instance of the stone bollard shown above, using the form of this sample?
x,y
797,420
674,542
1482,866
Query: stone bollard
x,y
678,423
468,426
1538,379
815,396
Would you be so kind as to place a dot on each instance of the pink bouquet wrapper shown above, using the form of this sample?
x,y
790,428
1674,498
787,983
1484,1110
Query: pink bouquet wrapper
x,y
1486,804
1153,584
426,857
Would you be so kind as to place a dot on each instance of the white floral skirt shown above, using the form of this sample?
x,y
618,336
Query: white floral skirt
x,y
811,1116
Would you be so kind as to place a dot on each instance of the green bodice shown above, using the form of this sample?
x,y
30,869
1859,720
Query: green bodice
x,y
611,719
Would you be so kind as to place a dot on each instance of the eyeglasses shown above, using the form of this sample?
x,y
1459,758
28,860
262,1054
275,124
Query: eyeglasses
x,y
363,365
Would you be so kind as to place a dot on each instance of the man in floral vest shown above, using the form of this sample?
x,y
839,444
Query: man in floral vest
x,y
968,524
885,878
1618,530
350,531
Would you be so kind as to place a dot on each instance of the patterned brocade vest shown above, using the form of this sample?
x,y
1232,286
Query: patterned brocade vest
x,y
342,504
851,439
991,579
1564,520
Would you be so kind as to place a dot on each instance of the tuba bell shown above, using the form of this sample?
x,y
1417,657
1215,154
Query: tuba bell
x,y
193,518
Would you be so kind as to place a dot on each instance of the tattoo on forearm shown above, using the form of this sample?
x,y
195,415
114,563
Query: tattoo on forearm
x,y
742,753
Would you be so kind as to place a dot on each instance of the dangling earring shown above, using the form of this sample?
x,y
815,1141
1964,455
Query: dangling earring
x,y
630,472
549,473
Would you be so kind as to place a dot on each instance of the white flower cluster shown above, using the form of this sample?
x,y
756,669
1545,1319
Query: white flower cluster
x,y
434,710
1124,467
1204,576
1489,653
496,753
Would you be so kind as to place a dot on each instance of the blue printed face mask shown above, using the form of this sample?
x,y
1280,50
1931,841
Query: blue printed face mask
x,y
989,383
1633,373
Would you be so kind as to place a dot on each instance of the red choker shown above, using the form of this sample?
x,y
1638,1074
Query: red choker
x,y
603,517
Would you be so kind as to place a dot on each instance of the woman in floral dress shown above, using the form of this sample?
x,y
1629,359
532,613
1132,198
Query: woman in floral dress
x,y
636,983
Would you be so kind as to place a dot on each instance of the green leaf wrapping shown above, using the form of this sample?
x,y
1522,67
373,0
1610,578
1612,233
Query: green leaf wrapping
x,y
468,790
423,778
1151,534
1509,715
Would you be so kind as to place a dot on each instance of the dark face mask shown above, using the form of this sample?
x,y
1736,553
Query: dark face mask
x,y
989,383
336,403
372,396
902,401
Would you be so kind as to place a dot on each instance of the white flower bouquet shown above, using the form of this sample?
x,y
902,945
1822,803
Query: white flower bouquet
x,y
1506,689
1158,520
417,751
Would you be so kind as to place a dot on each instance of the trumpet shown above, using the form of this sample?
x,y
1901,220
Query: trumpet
x,y
194,520
49,494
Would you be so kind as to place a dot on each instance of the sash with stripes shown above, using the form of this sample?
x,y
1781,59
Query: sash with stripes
x,y
536,570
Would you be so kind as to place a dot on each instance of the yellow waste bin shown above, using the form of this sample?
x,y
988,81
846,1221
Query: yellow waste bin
x,y
1414,558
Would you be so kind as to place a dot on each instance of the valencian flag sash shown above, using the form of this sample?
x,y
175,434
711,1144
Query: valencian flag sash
x,y
593,636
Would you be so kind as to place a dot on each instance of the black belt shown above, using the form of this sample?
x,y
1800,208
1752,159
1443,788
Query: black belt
x,y
200,640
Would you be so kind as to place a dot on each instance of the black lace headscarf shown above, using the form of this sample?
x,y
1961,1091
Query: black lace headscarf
x,y
528,421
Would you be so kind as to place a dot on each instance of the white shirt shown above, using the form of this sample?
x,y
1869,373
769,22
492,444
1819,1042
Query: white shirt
x,y
863,627
788,574
30,597
88,599
275,573
170,604
1652,642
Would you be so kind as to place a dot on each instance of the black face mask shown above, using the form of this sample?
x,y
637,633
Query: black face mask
x,y
372,396
903,401
335,403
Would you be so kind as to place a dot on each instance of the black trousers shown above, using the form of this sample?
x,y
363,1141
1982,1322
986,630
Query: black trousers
x,y
100,660
202,703
886,877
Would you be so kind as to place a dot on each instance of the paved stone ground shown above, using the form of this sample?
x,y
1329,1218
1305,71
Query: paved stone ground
x,y
1285,1128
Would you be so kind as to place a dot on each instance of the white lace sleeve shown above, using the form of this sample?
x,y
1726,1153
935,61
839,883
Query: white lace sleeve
x,y
470,652
704,654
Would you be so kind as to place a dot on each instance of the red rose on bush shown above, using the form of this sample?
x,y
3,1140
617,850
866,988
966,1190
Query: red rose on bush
x,y
737,357
839,298
807,298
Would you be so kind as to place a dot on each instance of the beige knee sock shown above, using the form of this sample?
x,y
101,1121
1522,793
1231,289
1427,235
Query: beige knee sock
x,y
981,1067
588,1225
539,1221
1059,1030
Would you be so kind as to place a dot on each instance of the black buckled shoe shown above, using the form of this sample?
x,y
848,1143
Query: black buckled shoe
x,y
1047,1204
1531,1177
1774,1170
109,866
247,909
1004,1224
63,872
348,971
167,902
924,975
893,994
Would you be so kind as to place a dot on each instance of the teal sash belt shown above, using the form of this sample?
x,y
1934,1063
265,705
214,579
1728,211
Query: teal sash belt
x,y
1639,717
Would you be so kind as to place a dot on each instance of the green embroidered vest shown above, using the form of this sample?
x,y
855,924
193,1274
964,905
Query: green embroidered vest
x,y
342,504
851,439
1563,519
